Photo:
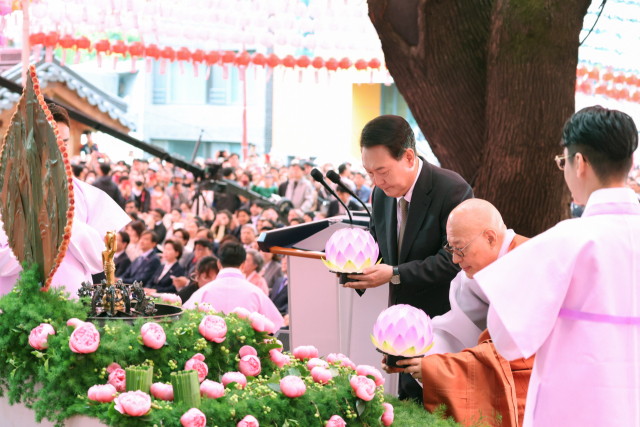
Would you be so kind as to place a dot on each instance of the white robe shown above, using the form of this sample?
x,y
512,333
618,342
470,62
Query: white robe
x,y
95,214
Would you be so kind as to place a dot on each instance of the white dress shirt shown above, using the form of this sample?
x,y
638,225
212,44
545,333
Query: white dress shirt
x,y
407,196
165,270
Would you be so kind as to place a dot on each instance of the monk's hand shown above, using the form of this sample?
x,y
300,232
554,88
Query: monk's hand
x,y
387,369
371,277
413,367
180,282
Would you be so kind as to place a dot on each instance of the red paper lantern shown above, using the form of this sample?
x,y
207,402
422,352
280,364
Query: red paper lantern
x,y
273,61
168,53
582,71
345,63
183,54
332,64
228,57
594,74
611,93
36,38
213,57
152,51
361,64
289,61
83,43
317,62
619,78
303,61
623,94
601,90
607,76
119,48
102,46
259,59
243,59
636,96
375,64
198,55
586,87
632,80
136,49
67,42
51,39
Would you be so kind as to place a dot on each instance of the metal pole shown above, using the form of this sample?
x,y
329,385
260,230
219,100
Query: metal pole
x,y
245,144
26,49
195,150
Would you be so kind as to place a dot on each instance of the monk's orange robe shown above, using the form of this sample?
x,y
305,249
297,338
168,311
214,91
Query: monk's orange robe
x,y
478,382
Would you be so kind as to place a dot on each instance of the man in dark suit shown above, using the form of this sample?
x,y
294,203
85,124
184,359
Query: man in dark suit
x,y
121,258
336,208
143,268
410,206
106,184
158,226
279,294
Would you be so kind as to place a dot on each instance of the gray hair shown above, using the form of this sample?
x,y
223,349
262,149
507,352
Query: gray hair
x,y
249,226
258,260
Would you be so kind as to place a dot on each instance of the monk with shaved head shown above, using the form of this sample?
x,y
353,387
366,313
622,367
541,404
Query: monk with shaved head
x,y
463,370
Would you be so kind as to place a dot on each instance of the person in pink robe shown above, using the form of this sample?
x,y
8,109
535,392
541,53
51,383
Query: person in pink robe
x,y
231,289
571,295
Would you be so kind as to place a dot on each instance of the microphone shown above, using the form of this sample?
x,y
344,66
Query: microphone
x,y
317,175
335,178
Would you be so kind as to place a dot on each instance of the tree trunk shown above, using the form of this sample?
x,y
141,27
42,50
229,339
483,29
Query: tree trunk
x,y
490,83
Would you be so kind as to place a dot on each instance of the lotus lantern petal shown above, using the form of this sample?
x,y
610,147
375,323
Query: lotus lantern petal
x,y
350,250
403,330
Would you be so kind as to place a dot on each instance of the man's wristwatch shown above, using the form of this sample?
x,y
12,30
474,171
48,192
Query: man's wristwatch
x,y
395,279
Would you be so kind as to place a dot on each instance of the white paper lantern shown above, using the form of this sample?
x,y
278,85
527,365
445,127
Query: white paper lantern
x,y
127,22
274,23
39,10
310,41
111,22
230,19
55,14
282,38
75,13
259,20
306,25
244,20
235,36
203,33
321,24
288,21
118,5
151,8
341,42
221,36
145,25
296,40
326,42
267,40
300,9
137,6
223,4
280,6
316,10
249,37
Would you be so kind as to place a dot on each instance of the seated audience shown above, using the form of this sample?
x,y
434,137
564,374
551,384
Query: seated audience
x,y
308,216
206,272
121,259
243,216
182,236
162,280
296,221
248,236
252,267
279,294
231,289
143,268
294,213
131,207
159,199
158,226
222,225
202,248
272,269
256,210
134,229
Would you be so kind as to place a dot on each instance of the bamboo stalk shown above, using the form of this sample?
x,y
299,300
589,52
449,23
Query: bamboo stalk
x,y
186,387
139,378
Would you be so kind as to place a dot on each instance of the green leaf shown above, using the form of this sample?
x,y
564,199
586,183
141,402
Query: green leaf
x,y
17,331
360,407
275,387
295,372
46,365
372,378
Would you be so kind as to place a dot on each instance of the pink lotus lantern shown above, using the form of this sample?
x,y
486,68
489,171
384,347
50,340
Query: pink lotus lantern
x,y
402,332
349,251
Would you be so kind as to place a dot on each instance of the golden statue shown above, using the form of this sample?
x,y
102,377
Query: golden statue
x,y
107,257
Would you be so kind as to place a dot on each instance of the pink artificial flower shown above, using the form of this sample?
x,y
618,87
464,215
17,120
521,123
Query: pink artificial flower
x,y
39,334
74,322
103,393
270,341
84,339
335,421
153,335
211,389
197,363
113,367
321,374
134,403
241,312
117,378
365,370
277,357
258,322
248,421
171,299
364,387
305,352
162,391
236,377
287,359
348,363
316,362
193,418
205,307
344,360
250,366
246,351
269,326
292,386
387,416
213,328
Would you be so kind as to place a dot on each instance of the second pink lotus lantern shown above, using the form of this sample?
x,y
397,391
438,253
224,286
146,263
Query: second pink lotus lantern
x,y
350,251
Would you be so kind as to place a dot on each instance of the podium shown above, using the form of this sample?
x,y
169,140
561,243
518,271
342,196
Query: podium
x,y
321,312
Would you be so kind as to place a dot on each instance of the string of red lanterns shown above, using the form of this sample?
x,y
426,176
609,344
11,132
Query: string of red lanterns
x,y
608,83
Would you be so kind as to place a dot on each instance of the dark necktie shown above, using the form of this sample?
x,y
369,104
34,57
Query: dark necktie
x,y
404,212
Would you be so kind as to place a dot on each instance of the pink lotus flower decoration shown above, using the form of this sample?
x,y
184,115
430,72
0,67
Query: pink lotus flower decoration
x,y
350,250
102,393
403,330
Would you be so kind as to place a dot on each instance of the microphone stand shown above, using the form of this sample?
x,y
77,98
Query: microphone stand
x,y
317,175
335,178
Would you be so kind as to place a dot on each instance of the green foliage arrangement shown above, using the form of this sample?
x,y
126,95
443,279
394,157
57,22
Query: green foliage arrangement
x,y
54,382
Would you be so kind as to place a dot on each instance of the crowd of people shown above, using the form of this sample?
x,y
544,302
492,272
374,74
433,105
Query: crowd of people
x,y
173,243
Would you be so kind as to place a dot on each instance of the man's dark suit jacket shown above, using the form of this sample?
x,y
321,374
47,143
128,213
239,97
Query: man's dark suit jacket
x,y
142,269
106,184
122,263
272,273
280,299
334,207
161,231
426,270
165,284
282,188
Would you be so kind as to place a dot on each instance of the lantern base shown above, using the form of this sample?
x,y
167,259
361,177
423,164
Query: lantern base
x,y
392,359
344,277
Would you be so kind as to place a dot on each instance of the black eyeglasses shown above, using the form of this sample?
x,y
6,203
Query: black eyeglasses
x,y
460,252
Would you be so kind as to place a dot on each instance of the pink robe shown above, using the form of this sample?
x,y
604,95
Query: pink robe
x,y
230,290
95,214
572,296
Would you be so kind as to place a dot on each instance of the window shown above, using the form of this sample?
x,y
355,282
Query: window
x,y
184,149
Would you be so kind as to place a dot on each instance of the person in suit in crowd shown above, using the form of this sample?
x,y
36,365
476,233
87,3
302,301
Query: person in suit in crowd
x,y
202,248
272,270
336,208
105,183
158,226
162,280
410,206
134,229
143,268
121,259
299,190
244,217
248,236
252,268
140,194
362,190
279,294
206,272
